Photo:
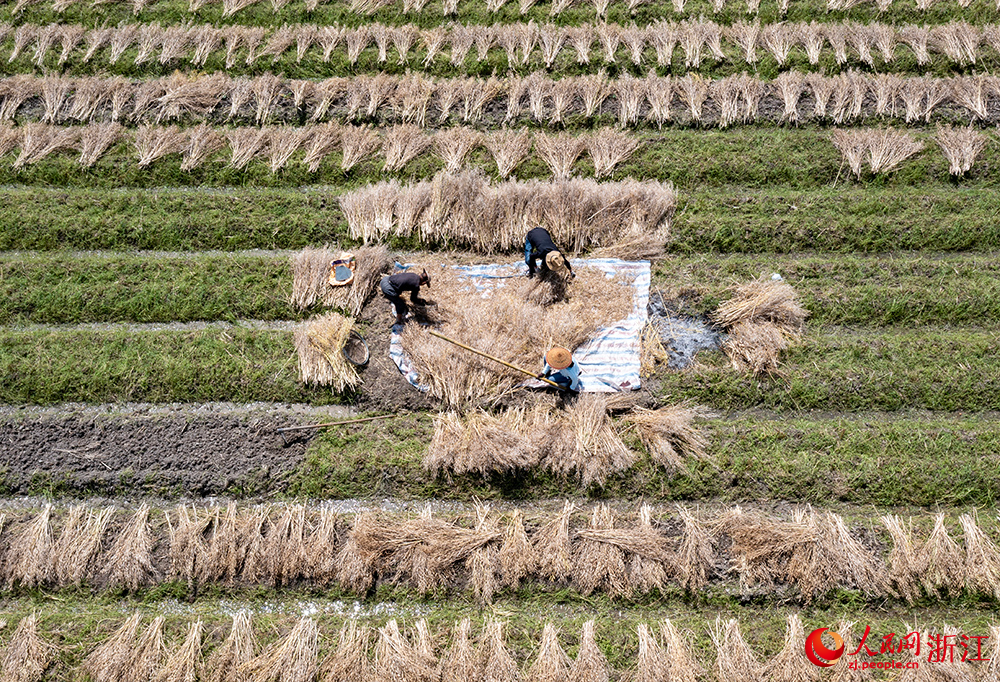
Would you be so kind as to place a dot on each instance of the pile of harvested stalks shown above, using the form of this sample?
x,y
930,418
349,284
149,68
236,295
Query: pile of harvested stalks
x,y
319,343
579,438
485,551
515,320
311,271
763,318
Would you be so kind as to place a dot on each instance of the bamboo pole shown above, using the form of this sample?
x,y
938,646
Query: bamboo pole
x,y
346,421
496,359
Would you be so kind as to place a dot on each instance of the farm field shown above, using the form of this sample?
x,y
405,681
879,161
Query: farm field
x,y
175,176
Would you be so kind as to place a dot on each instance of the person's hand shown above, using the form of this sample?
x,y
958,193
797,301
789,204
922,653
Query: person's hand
x,y
572,275
531,275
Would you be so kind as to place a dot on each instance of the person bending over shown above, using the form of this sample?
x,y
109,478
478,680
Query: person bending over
x,y
395,286
538,245
561,368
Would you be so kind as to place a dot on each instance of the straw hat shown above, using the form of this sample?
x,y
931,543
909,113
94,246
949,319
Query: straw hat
x,y
559,357
554,260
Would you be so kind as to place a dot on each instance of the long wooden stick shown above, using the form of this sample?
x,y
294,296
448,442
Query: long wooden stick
x,y
346,421
496,359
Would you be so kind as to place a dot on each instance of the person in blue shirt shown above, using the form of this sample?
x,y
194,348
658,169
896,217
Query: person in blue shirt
x,y
561,368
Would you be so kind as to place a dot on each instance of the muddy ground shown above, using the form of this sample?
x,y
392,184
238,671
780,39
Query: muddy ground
x,y
195,450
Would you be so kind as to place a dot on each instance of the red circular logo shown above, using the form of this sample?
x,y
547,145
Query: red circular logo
x,y
816,651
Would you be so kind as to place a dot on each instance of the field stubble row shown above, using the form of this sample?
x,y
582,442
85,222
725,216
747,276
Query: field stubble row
x,y
147,48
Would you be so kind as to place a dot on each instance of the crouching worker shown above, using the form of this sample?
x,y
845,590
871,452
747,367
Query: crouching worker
x,y
538,245
395,286
561,368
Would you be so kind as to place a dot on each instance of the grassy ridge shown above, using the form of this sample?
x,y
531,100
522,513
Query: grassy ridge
x,y
763,158
931,368
239,364
148,288
876,459
908,288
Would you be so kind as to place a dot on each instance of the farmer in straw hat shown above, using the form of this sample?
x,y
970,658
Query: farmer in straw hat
x,y
538,245
393,288
561,368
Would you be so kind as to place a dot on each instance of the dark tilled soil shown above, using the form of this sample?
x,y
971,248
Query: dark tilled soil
x,y
184,455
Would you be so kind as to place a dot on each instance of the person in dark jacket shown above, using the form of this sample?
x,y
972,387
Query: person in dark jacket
x,y
395,286
538,245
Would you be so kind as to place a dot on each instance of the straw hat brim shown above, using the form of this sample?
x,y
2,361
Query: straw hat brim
x,y
559,357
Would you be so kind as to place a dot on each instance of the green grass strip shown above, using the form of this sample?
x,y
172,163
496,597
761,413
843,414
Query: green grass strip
x,y
236,364
846,218
849,370
906,288
145,288
941,369
879,459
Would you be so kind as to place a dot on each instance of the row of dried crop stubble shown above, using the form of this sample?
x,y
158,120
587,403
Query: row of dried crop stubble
x,y
523,44
451,7
847,98
814,552
657,653
398,145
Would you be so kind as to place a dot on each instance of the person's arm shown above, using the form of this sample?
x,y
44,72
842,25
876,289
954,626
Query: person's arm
x,y
415,297
531,265
568,266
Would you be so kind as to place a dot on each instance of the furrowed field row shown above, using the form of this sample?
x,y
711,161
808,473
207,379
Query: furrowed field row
x,y
524,47
833,370
454,642
109,149
656,552
846,99
723,219
431,13
907,288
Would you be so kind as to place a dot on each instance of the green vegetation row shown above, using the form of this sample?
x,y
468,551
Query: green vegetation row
x,y
761,159
871,218
886,460
945,369
297,51
79,623
902,289
475,12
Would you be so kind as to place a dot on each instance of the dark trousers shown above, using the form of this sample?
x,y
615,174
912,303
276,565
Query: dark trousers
x,y
394,298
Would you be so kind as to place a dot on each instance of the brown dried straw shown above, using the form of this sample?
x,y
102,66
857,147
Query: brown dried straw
x,y
228,663
497,664
29,556
695,556
669,435
460,663
517,558
599,564
27,655
791,664
319,343
681,661
734,658
129,562
110,661
552,546
350,659
292,659
982,558
552,663
590,664
509,326
186,663
651,663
